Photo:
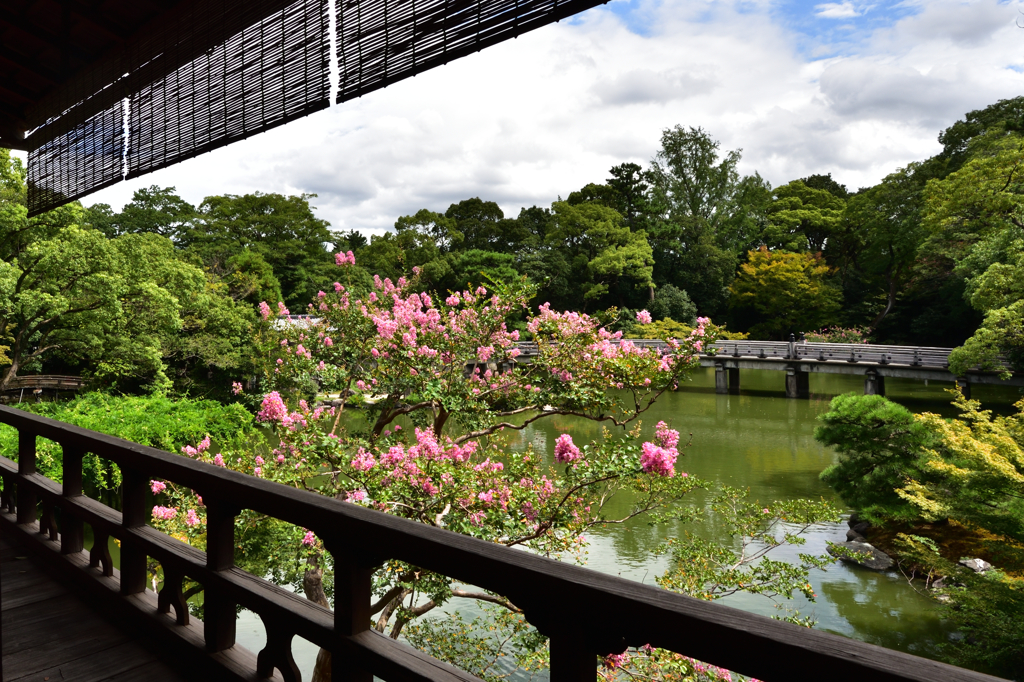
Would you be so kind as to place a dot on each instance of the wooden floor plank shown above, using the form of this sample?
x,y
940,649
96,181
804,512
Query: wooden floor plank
x,y
116,660
48,633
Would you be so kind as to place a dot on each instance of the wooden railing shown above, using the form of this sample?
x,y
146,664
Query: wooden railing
x,y
58,382
584,613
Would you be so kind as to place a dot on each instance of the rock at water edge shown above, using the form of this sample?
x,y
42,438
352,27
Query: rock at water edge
x,y
976,565
863,554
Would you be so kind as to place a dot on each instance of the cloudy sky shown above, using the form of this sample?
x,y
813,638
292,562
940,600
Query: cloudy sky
x,y
855,89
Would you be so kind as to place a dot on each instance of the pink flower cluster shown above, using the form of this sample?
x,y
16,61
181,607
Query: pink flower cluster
x,y
164,513
666,437
564,324
309,539
344,259
613,661
565,450
236,387
660,457
203,446
658,460
192,519
272,409
157,487
643,317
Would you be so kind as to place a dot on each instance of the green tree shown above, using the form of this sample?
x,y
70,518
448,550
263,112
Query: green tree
x,y
671,303
801,218
975,219
898,466
395,254
475,267
880,445
157,210
602,250
282,229
707,215
1005,118
883,233
826,183
778,293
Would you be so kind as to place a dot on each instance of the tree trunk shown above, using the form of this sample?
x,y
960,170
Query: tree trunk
x,y
10,374
650,293
313,586
890,301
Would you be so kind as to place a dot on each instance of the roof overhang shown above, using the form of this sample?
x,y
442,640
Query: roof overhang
x,y
100,91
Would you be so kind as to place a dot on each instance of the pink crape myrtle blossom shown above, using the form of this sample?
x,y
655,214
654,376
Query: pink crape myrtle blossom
x,y
164,513
236,387
272,408
666,437
565,450
658,460
157,487
643,317
192,519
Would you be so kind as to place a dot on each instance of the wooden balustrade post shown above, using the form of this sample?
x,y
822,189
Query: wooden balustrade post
x,y
26,467
352,591
133,515
571,659
219,608
71,528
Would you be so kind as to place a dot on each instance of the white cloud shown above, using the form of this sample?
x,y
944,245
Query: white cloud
x,y
531,119
837,10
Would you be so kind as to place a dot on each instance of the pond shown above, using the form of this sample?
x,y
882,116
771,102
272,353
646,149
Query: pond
x,y
763,441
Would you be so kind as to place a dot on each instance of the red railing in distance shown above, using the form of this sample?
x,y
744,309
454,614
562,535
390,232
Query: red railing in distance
x,y
585,614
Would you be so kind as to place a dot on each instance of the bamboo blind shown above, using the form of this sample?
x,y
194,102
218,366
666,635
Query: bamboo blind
x,y
197,89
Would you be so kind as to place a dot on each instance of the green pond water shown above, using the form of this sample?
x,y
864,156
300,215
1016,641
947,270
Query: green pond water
x,y
763,441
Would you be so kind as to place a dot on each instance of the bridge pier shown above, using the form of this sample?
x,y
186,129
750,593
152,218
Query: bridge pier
x,y
874,383
964,384
798,384
727,379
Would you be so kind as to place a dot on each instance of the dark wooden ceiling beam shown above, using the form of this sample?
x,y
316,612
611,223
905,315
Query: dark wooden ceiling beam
x,y
29,65
12,140
22,23
90,14
18,91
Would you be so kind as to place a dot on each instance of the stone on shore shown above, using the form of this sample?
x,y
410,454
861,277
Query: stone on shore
x,y
976,565
862,553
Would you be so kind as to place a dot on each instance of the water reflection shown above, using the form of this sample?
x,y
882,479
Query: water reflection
x,y
763,441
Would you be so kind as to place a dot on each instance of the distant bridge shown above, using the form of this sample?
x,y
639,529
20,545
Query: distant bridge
x,y
36,384
799,359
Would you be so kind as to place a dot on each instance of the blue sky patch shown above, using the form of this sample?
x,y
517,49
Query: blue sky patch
x,y
824,28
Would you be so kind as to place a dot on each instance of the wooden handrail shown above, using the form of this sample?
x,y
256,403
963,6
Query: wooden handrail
x,y
57,381
585,613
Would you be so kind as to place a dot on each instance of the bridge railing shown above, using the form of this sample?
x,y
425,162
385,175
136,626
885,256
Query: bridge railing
x,y
586,614
47,381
